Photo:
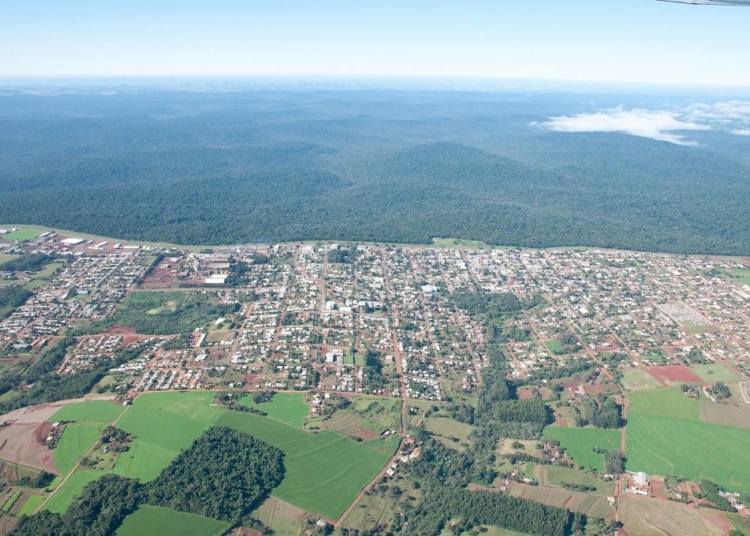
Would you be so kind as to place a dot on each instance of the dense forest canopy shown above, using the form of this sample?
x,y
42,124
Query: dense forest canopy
x,y
384,166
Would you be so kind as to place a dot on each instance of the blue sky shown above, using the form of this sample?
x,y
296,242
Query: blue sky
x,y
640,41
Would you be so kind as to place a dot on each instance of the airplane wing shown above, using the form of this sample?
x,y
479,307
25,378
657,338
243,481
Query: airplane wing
x,y
711,2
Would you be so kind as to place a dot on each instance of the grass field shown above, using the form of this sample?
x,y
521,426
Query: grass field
x,y
585,503
324,472
669,402
742,275
638,380
165,522
23,233
162,424
555,346
552,475
31,505
578,443
285,407
71,489
76,441
448,428
726,414
647,516
716,373
690,449
100,411
369,513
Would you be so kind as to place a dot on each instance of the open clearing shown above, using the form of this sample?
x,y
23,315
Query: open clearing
x,y
648,516
716,373
280,516
165,522
324,472
638,380
285,407
671,374
75,442
552,475
33,502
578,443
101,411
726,414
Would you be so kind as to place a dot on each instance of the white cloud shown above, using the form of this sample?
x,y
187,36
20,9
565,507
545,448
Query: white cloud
x,y
664,125
657,125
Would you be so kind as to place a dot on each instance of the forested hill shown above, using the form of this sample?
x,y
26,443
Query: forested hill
x,y
371,165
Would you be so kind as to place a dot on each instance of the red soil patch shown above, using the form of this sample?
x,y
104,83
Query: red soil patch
x,y
19,443
659,488
525,394
673,373
595,389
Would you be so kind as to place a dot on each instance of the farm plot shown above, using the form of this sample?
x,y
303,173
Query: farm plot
x,y
726,414
165,522
280,516
75,442
162,424
100,411
289,408
70,489
689,448
665,403
563,498
552,475
647,516
324,472
579,442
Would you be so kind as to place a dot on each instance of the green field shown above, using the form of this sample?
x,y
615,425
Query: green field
x,y
71,489
31,505
742,275
716,373
324,471
578,443
555,346
100,411
75,442
553,475
162,424
23,233
165,522
669,402
285,407
690,449
638,380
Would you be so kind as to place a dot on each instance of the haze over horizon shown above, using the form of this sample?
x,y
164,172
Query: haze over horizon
x,y
635,42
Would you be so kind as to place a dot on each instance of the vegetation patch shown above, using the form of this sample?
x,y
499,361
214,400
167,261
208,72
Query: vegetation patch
x,y
70,490
324,472
716,373
165,522
647,516
163,313
579,444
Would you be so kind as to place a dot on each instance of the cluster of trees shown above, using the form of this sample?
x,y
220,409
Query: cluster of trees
x,y
225,474
601,412
339,256
614,462
11,296
31,262
711,492
443,474
720,391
